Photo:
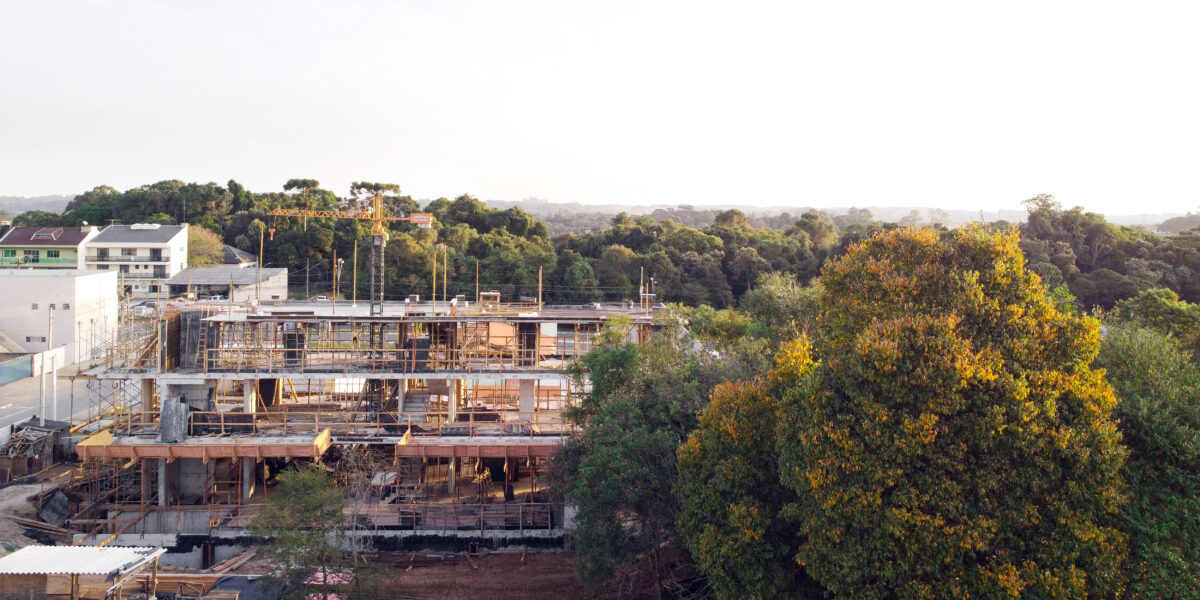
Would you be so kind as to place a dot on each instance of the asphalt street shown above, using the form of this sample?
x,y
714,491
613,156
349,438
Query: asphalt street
x,y
21,399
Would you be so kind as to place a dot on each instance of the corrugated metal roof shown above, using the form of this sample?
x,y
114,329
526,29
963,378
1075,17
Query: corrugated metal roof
x,y
140,233
75,560
222,275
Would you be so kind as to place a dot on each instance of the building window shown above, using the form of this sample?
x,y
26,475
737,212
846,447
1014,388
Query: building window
x,y
10,253
52,254
32,256
156,254
124,268
34,307
128,251
66,306
102,253
101,267
35,338
153,289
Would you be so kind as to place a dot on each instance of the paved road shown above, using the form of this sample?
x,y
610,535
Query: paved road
x,y
21,400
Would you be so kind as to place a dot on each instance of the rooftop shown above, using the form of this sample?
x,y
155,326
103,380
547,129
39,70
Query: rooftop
x,y
76,560
46,273
45,236
143,233
223,275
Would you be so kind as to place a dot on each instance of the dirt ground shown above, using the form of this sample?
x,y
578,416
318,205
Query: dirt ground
x,y
495,576
14,499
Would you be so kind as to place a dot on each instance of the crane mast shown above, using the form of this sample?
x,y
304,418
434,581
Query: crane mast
x,y
379,236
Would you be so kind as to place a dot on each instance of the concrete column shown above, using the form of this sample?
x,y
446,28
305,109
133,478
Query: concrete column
x,y
452,398
451,475
162,482
527,398
148,393
249,405
248,474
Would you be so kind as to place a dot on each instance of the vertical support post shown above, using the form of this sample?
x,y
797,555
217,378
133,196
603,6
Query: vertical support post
x,y
526,398
162,482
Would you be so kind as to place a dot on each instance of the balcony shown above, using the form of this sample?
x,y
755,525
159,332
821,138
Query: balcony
x,y
141,275
117,258
21,261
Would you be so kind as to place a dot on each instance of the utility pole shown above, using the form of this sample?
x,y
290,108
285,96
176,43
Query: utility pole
x,y
258,286
354,278
46,357
307,269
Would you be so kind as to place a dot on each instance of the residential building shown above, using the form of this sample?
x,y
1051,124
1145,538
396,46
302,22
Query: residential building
x,y
83,303
45,247
145,255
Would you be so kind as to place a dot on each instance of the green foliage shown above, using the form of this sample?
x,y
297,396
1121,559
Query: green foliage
x,y
1159,416
781,305
955,442
729,490
644,401
303,520
205,248
1162,310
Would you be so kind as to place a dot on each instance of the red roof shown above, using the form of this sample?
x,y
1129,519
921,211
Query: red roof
x,y
44,236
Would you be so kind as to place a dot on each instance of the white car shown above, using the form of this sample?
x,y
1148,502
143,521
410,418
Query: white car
x,y
321,299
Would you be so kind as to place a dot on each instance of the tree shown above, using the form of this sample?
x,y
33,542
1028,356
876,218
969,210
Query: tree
x,y
731,500
303,520
644,401
1159,416
955,442
205,248
1161,309
38,218
781,305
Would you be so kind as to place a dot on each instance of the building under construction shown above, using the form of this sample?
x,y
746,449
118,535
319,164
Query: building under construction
x,y
437,417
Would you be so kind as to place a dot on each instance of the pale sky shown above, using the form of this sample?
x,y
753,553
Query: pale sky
x,y
950,104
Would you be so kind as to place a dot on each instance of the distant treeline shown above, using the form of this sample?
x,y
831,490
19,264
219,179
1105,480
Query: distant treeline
x,y
682,254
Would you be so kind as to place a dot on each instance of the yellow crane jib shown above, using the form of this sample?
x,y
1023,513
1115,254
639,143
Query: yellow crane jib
x,y
379,235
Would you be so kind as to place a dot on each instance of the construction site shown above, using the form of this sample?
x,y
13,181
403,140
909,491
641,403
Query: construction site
x,y
437,417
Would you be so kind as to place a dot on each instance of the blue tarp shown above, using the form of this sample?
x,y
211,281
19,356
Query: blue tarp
x,y
16,369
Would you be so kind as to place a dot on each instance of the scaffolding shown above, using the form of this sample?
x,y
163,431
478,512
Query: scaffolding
x,y
437,419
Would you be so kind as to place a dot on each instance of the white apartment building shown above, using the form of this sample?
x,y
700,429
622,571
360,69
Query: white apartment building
x,y
144,255
83,303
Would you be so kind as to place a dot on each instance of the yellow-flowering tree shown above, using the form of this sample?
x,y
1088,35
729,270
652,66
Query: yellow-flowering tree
x,y
954,441
731,500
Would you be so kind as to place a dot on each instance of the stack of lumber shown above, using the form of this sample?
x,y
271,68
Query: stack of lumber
x,y
230,564
38,525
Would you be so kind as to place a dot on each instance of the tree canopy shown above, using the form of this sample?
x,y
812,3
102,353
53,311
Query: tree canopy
x,y
955,442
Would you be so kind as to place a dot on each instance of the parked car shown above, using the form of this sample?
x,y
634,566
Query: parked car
x,y
321,299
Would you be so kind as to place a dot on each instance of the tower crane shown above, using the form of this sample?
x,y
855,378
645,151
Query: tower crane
x,y
379,235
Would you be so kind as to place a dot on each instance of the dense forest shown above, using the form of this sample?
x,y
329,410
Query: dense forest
x,y
685,255
833,407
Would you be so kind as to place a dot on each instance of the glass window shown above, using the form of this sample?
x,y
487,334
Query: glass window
x,y
52,254
66,306
10,253
32,256
101,267
128,251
